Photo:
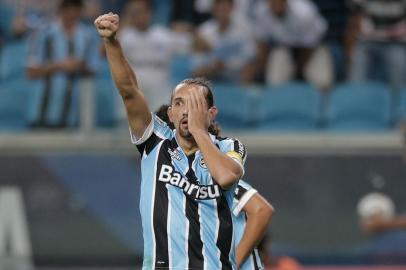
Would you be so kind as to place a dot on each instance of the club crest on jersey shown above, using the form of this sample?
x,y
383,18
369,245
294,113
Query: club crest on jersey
x,y
174,154
199,192
202,164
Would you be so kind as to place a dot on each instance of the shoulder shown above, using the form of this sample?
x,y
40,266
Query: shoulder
x,y
228,140
161,128
233,147
157,127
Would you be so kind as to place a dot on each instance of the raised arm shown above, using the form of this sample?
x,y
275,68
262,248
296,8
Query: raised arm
x,y
136,106
259,213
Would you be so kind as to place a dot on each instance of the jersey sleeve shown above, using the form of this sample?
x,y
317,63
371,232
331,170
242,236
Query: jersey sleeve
x,y
235,149
242,194
156,131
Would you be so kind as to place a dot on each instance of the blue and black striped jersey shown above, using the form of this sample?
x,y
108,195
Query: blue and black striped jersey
x,y
243,193
186,216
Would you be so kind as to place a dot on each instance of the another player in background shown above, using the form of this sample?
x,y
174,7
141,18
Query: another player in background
x,y
252,214
188,175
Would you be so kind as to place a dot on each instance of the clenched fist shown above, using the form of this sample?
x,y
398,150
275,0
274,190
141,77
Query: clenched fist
x,y
107,25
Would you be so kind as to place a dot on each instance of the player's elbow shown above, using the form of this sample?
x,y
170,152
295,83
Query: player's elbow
x,y
265,211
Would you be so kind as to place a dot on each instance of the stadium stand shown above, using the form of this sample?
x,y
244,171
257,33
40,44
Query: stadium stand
x,y
180,68
293,106
401,110
12,59
363,106
13,104
236,104
105,98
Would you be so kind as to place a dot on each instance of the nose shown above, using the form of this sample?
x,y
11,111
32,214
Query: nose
x,y
184,111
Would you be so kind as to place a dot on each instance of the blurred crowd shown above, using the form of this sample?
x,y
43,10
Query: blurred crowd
x,y
261,42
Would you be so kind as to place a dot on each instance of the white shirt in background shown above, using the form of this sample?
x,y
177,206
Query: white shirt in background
x,y
150,53
302,26
234,47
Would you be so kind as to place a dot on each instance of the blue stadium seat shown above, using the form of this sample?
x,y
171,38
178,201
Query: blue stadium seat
x,y
106,97
293,106
359,106
13,59
235,105
401,111
162,11
180,68
13,104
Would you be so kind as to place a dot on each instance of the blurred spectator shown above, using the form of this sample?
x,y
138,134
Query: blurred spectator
x,y
336,12
190,12
243,9
290,34
225,48
149,49
36,12
378,37
60,55
388,231
92,9
115,6
11,24
379,225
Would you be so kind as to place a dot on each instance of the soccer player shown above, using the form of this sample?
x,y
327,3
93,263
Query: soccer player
x,y
252,216
252,213
188,175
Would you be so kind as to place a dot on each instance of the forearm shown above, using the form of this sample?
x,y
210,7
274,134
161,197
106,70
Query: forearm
x,y
222,168
42,71
139,116
122,73
255,230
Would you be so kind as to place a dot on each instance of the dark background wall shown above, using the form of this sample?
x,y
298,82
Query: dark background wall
x,y
83,208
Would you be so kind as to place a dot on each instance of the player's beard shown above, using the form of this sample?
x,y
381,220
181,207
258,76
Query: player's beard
x,y
184,132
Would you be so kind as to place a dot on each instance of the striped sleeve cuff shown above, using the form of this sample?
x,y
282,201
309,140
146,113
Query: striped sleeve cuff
x,y
243,201
147,133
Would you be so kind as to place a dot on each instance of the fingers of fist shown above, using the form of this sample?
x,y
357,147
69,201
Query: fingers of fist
x,y
107,21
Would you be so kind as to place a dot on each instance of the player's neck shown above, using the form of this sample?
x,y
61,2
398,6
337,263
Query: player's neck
x,y
188,145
